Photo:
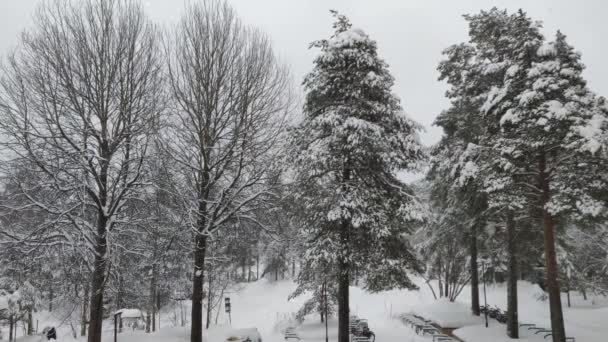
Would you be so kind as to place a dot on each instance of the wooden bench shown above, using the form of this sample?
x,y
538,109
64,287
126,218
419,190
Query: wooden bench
x,y
442,337
568,339
360,339
290,334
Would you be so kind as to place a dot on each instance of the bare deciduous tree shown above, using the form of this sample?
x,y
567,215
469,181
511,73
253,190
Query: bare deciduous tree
x,y
78,99
231,97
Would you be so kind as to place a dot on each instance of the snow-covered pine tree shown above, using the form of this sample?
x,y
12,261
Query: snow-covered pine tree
x,y
550,138
501,44
454,173
346,152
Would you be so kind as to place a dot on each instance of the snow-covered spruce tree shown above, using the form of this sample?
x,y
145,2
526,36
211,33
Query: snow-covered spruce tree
x,y
353,139
550,133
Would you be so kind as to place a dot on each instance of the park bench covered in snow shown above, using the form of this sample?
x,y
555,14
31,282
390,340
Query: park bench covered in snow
x,y
544,331
290,334
244,335
424,326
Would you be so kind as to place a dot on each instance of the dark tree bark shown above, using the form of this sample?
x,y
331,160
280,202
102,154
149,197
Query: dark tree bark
x,y
30,322
343,304
51,298
248,267
99,274
84,315
344,272
512,316
11,327
446,285
196,331
555,302
210,297
152,300
474,271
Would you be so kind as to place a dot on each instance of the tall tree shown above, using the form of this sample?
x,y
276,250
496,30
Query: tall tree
x,y
457,185
79,96
353,139
230,99
547,130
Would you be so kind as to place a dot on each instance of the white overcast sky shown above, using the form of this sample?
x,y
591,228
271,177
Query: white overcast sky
x,y
410,33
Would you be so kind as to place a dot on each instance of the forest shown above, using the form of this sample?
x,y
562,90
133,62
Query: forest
x,y
145,165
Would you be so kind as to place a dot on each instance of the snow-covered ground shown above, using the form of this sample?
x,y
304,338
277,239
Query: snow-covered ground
x,y
264,305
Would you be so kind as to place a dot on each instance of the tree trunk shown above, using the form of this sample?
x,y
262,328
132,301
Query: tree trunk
x,y
11,327
196,332
96,304
474,271
181,313
447,281
30,322
512,315
248,268
584,293
343,304
243,269
555,302
257,266
152,300
51,297
209,297
99,269
344,269
84,315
